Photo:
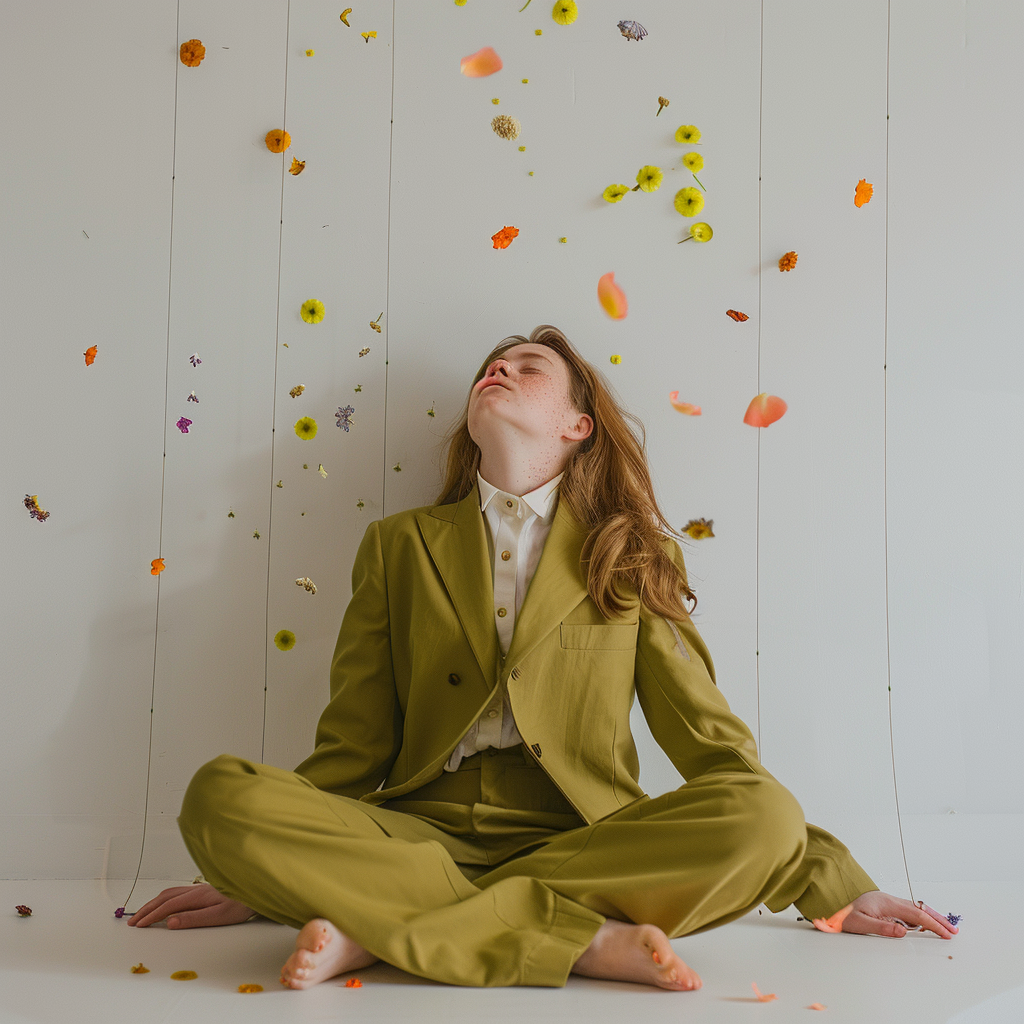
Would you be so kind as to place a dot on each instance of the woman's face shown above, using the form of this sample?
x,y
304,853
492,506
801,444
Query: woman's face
x,y
525,390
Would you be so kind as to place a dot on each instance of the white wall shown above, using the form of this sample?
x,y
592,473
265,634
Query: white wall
x,y
870,538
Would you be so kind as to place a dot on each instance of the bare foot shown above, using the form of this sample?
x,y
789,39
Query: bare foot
x,y
321,952
635,952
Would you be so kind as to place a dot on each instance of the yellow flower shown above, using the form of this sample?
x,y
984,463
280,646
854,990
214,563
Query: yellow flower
x,y
522,149
538,31
693,162
525,80
563,239
191,53
297,167
312,311
699,529
309,53
613,193
369,35
284,640
306,428
701,232
259,988
565,12
616,359
184,976
460,3
495,101
689,202
649,178
687,133
277,140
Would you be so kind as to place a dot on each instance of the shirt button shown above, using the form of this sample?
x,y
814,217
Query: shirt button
x,y
506,555
502,612
509,503
492,714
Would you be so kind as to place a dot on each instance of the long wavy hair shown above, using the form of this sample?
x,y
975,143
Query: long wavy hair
x,y
606,487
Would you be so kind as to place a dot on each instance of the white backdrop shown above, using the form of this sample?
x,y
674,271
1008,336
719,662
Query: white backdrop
x,y
862,596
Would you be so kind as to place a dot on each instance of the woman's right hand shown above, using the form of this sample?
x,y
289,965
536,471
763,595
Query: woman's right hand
x,y
191,906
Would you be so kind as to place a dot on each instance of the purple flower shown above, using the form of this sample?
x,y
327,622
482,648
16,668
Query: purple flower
x,y
194,359
954,919
345,417
119,912
183,425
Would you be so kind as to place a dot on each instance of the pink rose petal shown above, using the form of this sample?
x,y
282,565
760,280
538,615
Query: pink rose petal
x,y
764,410
684,407
611,296
482,63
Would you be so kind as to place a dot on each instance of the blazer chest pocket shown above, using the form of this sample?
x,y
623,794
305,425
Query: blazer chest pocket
x,y
612,637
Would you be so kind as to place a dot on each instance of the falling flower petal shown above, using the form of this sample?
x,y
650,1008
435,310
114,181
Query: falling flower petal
x,y
787,261
309,53
306,428
817,1006
37,513
353,983
375,324
23,911
701,232
503,239
277,140
611,296
364,351
699,529
736,315
250,988
140,968
505,126
322,471
369,35
312,311
284,639
482,63
158,566
344,16
184,976
191,53
613,193
764,409
684,407
183,424
835,922
90,355
689,202
192,397
863,193
565,12
760,997
297,167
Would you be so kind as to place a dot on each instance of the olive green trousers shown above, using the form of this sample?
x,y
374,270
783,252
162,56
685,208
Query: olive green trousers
x,y
487,876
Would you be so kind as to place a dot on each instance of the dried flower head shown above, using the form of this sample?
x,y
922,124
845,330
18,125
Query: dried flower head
x,y
364,351
699,529
183,424
297,167
277,140
90,355
787,261
157,567
736,315
305,581
863,193
375,324
353,983
662,102
693,161
140,968
297,390
505,126
615,359
23,911
369,35
632,30
184,976
250,988
345,417
191,53
344,17
503,239
32,504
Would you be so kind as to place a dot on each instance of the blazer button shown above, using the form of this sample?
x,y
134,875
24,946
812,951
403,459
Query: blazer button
x,y
535,747
453,679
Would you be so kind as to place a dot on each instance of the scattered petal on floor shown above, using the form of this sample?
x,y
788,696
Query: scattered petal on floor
x,y
90,355
140,968
184,976
353,983
817,1006
833,923
761,998
23,911
157,566
250,988
736,315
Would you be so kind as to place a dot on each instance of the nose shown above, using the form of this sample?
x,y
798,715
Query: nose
x,y
493,370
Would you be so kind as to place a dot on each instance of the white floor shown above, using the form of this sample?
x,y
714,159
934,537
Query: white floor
x,y
70,963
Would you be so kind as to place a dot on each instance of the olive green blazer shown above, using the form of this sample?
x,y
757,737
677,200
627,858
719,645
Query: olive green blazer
x,y
417,661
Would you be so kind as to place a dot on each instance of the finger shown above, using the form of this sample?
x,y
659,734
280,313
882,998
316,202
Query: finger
x,y
207,917
930,919
156,903
865,924
187,900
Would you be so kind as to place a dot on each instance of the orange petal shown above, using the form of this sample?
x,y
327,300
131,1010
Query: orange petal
x,y
483,62
833,923
863,193
816,1006
735,313
158,566
762,998
684,407
90,355
764,410
611,296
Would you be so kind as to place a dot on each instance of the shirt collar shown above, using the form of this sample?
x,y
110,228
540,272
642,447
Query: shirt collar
x,y
540,501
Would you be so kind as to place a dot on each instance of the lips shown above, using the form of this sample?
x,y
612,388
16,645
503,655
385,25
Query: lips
x,y
493,383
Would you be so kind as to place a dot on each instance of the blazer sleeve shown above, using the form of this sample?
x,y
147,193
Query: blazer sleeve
x,y
359,733
691,721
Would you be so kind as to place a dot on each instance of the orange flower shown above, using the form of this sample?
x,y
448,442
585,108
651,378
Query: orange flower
x,y
158,566
503,239
353,983
787,261
90,355
863,193
250,988
684,407
191,53
611,296
278,140
764,409
482,63
762,998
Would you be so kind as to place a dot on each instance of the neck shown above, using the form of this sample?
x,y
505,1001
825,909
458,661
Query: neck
x,y
517,479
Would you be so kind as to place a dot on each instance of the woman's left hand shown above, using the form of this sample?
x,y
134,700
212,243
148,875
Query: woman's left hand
x,y
878,913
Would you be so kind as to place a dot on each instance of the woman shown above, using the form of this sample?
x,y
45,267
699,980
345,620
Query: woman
x,y
484,673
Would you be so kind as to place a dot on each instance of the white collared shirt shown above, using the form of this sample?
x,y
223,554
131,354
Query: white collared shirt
x,y
517,528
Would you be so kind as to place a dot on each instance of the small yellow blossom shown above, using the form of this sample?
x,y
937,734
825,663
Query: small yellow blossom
x,y
687,133
297,167
184,976
522,149
700,232
277,140
495,101
525,80
699,529
693,162
563,239
538,32
297,390
649,179
306,428
309,53
689,202
565,12
284,640
369,35
460,3
616,360
312,311
613,193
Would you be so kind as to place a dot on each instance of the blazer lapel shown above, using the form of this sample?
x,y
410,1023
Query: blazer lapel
x,y
457,542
